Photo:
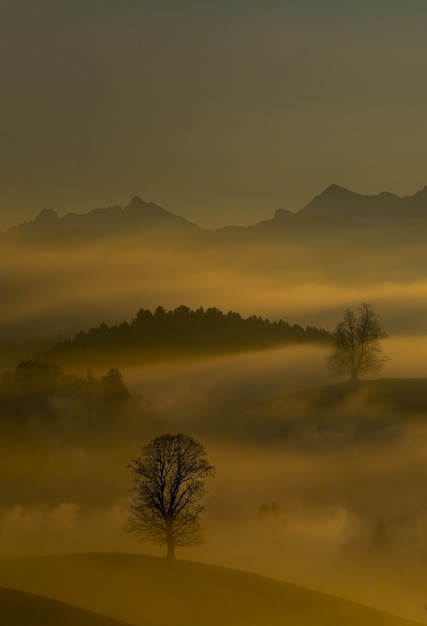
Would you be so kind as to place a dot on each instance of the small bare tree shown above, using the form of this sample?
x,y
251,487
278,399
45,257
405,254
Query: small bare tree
x,y
169,482
356,345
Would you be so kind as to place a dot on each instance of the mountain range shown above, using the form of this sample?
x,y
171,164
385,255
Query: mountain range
x,y
335,208
114,220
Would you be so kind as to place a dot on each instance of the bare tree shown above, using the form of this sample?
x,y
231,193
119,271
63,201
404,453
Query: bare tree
x,y
356,346
169,482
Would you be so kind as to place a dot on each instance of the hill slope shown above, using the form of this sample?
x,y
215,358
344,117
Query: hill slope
x,y
18,608
149,590
350,411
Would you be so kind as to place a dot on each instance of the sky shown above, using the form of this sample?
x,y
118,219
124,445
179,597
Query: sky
x,y
218,111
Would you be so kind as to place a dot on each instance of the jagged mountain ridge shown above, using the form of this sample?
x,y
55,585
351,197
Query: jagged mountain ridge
x,y
114,219
335,207
335,201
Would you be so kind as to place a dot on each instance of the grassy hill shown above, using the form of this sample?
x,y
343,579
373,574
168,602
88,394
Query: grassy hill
x,y
148,590
409,394
18,608
352,411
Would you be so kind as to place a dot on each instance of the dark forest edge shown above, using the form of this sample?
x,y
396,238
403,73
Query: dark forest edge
x,y
181,332
45,401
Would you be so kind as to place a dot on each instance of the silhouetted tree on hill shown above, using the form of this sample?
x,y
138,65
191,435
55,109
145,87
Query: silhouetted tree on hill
x,y
356,344
169,480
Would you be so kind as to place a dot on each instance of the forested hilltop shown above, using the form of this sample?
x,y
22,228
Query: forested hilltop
x,y
180,332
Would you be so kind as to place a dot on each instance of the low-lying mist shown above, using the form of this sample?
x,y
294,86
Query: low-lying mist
x,y
325,493
324,488
52,290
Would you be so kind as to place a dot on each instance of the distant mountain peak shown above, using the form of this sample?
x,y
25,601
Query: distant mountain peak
x,y
46,216
334,189
341,204
136,201
334,202
137,216
336,193
283,214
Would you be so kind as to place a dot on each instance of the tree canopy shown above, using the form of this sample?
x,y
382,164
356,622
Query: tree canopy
x,y
181,331
169,482
356,345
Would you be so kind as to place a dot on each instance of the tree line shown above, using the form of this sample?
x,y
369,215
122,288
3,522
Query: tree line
x,y
44,398
185,331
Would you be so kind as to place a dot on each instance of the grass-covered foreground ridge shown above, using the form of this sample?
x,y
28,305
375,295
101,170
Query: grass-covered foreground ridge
x,y
150,591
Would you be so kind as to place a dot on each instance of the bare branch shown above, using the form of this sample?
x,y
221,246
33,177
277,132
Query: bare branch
x,y
169,482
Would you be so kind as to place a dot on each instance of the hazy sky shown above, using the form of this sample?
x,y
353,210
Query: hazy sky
x,y
220,111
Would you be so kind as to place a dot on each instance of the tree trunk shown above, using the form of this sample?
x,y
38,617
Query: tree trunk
x,y
170,555
354,370
170,542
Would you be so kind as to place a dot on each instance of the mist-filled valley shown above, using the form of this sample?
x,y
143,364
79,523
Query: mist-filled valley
x,y
319,482
319,488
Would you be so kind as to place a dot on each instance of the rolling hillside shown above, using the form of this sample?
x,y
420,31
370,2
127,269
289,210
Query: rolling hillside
x,y
148,590
350,411
18,608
